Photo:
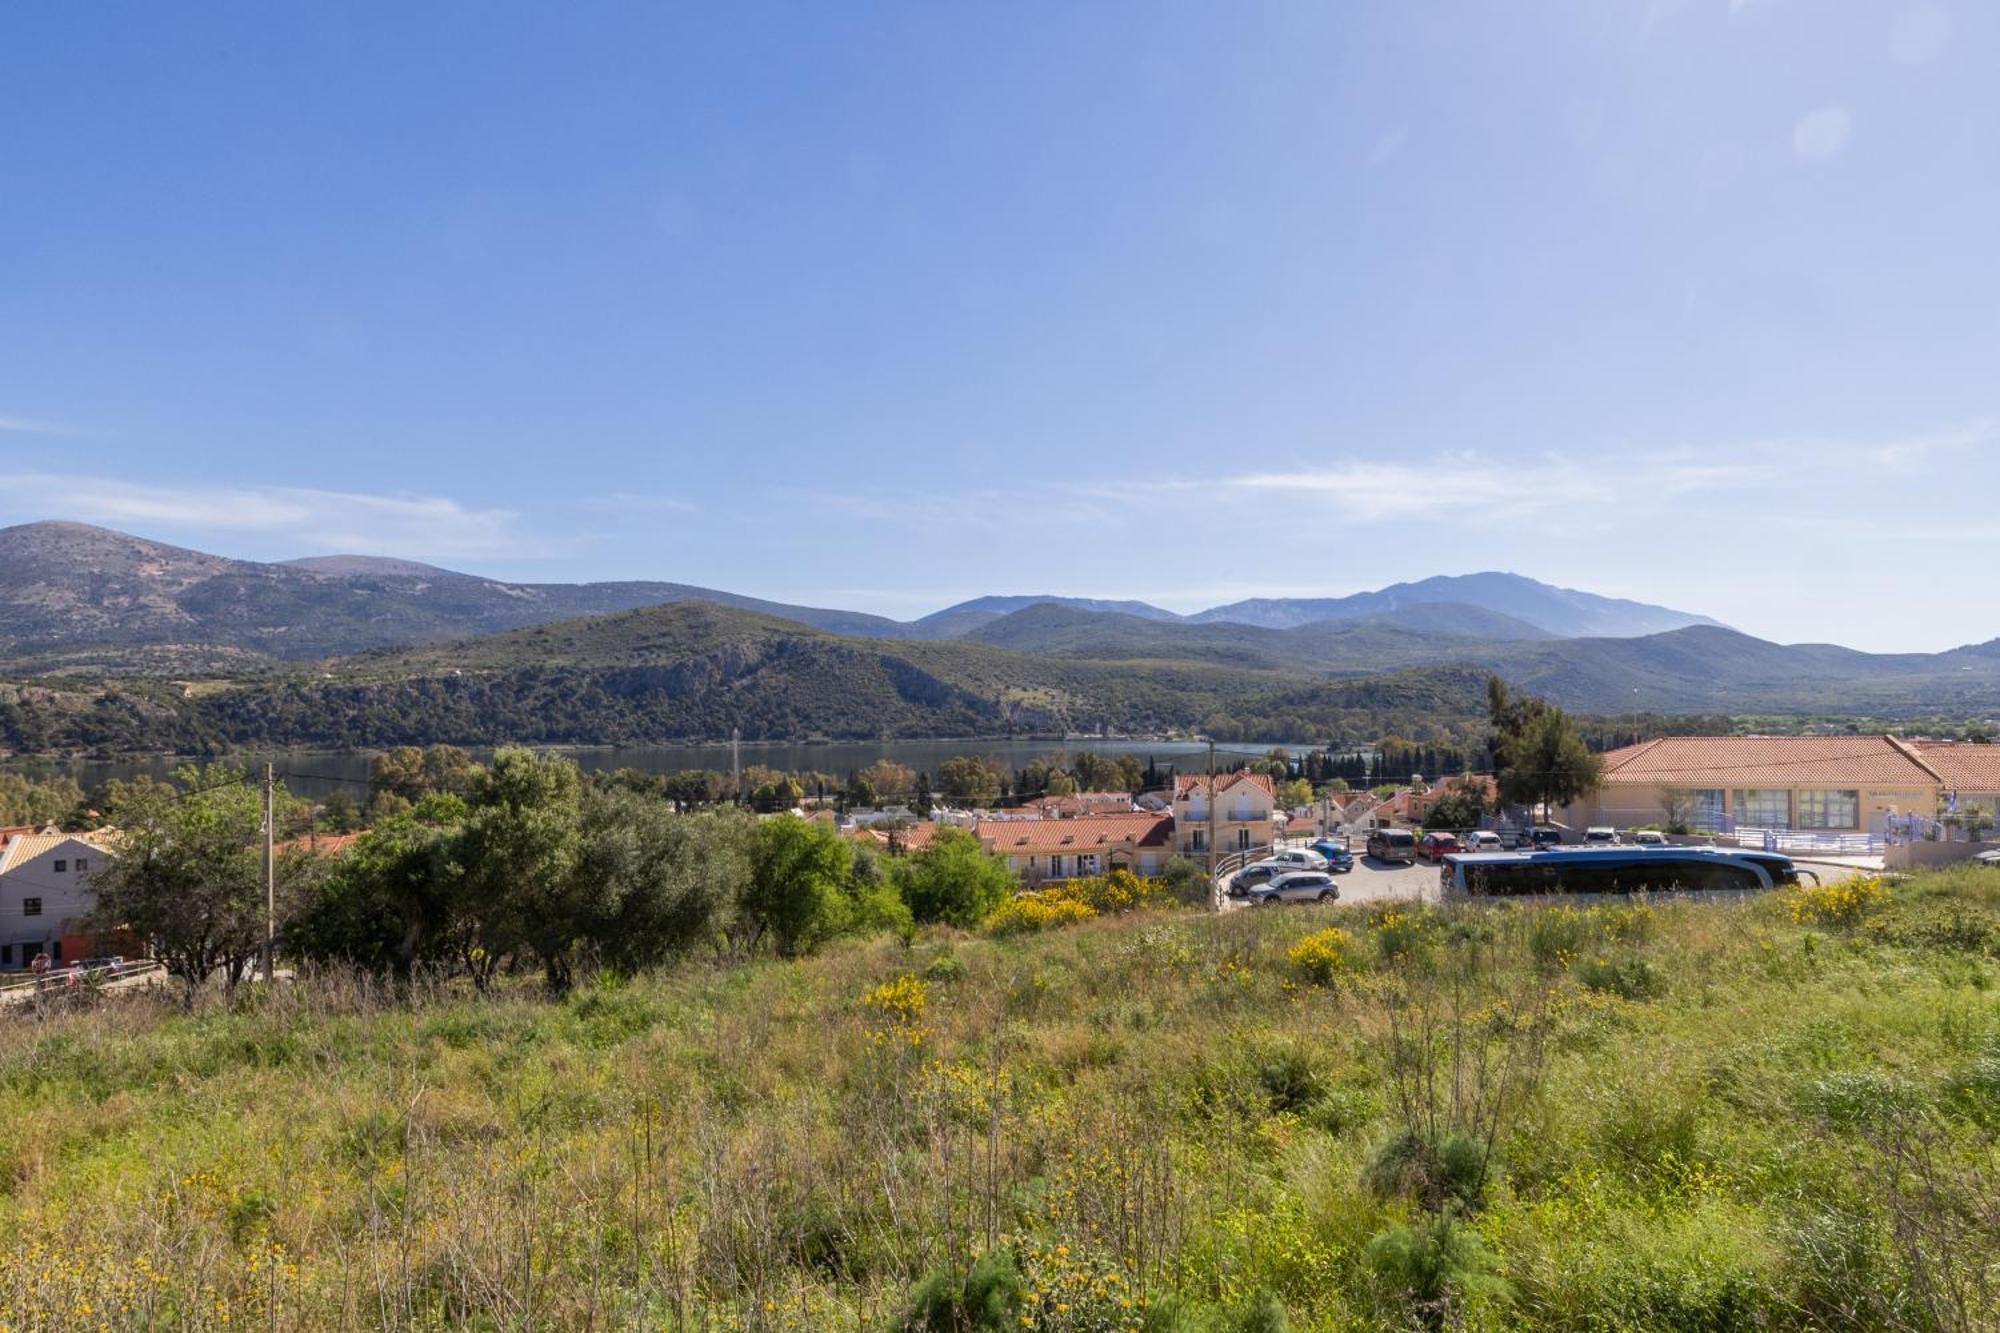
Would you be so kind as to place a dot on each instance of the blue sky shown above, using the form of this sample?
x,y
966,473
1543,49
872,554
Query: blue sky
x,y
884,306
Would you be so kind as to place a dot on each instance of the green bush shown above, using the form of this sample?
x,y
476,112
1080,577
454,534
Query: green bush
x,y
1627,978
1429,1267
1449,1171
988,1297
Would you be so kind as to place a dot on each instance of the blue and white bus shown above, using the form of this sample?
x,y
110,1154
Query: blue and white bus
x,y
1615,870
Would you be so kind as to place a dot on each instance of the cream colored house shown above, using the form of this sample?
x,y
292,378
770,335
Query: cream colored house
x,y
1832,784
1245,805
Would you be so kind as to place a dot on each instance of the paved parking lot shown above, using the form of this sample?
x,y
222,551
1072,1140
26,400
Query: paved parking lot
x,y
1374,881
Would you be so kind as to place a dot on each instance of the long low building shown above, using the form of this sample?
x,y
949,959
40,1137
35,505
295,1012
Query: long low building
x,y
1833,784
1051,849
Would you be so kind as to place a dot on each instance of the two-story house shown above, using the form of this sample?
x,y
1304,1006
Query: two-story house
x,y
1245,804
45,895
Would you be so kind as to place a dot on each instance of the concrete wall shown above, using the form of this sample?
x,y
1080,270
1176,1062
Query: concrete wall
x,y
1924,855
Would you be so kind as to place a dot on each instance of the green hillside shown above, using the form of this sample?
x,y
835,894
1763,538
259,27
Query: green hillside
x,y
697,671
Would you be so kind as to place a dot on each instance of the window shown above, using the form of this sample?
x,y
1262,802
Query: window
x,y
31,907
61,866
1705,809
1055,866
1086,864
1195,843
81,865
6,955
1769,807
1829,809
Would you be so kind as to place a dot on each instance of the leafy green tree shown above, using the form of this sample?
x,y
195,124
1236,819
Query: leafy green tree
x,y
796,894
391,902
1294,794
413,773
1542,758
56,800
890,780
518,853
339,814
189,874
970,780
693,788
954,880
781,793
669,883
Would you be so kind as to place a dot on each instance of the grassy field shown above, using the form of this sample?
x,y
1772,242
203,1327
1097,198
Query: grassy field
x,y
1777,1113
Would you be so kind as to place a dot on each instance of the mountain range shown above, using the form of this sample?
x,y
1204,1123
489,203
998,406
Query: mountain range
x,y
105,636
70,593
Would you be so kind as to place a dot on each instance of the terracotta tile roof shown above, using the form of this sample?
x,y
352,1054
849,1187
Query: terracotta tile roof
x,y
1085,833
1960,765
1082,803
1764,761
1186,784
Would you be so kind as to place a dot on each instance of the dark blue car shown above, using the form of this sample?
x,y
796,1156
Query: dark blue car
x,y
1338,858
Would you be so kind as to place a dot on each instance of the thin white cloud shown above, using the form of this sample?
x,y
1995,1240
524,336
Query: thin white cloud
x,y
1821,134
633,502
309,520
38,426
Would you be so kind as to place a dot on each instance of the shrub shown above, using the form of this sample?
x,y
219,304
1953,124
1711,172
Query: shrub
x,y
1291,1080
1037,909
1450,1170
1557,935
1403,936
1431,1266
896,1010
945,968
986,1298
1627,978
1072,901
1843,905
954,880
1323,957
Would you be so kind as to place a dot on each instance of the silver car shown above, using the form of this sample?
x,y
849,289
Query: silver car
x,y
1299,858
1301,886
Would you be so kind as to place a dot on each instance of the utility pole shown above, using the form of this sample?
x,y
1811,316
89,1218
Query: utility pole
x,y
1211,818
736,762
270,871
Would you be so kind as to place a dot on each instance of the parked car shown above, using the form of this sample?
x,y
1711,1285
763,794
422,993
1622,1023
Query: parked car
x,y
1437,846
1301,886
1393,844
1649,837
1988,859
1251,876
1542,838
1338,859
1483,840
1600,837
1301,858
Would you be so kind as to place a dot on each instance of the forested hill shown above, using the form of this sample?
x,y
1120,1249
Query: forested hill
x,y
692,671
